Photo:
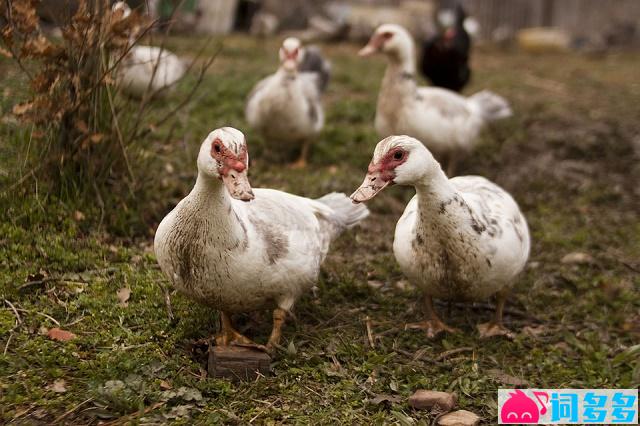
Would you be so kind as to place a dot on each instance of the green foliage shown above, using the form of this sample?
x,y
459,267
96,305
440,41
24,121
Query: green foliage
x,y
576,324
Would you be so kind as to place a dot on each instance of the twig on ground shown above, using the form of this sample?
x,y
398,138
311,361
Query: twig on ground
x,y
447,354
370,338
38,282
6,346
15,312
49,317
127,419
66,413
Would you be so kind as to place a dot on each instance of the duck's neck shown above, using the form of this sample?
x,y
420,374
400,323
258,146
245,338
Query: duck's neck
x,y
442,211
399,78
212,203
287,75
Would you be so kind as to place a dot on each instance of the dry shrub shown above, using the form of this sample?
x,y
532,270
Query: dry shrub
x,y
86,137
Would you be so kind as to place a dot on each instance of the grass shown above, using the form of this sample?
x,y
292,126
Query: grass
x,y
567,157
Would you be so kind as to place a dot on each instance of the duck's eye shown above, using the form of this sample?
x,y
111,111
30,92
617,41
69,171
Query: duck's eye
x,y
398,155
217,148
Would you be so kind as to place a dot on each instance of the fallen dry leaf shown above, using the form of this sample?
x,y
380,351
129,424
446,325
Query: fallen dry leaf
x,y
534,331
379,399
61,335
123,296
164,385
578,258
78,216
58,386
507,379
375,284
21,109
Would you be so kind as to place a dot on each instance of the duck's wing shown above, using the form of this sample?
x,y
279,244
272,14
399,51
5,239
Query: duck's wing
x,y
496,215
252,105
447,103
314,62
310,225
310,90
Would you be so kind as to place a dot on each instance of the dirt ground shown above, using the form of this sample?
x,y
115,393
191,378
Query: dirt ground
x,y
569,156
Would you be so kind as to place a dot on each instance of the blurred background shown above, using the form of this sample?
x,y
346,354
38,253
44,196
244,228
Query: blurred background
x,y
579,24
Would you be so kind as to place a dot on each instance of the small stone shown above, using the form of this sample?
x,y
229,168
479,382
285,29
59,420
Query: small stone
x,y
375,284
423,399
578,258
459,418
58,386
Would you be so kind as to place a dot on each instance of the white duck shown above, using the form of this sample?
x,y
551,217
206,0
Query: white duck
x,y
458,239
286,107
446,122
146,69
239,256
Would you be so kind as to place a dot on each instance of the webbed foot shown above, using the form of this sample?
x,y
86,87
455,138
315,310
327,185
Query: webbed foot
x,y
493,329
431,327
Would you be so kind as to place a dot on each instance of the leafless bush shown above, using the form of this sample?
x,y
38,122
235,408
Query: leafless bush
x,y
87,134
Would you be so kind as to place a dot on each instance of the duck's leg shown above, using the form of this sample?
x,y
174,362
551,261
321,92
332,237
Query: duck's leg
x,y
433,325
496,327
230,336
279,315
301,162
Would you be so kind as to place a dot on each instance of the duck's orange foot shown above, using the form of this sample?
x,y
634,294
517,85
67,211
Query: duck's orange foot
x,y
492,329
431,327
234,338
299,164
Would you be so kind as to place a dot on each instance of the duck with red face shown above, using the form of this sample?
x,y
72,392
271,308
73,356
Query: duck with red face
x,y
447,123
239,249
461,239
286,107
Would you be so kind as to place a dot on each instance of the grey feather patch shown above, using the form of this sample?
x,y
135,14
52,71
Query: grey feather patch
x,y
314,62
277,243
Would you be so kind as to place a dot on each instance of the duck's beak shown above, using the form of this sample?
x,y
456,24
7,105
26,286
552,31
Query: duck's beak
x,y
372,185
374,45
238,185
368,50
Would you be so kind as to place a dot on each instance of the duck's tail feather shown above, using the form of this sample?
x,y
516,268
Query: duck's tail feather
x,y
490,106
346,214
314,62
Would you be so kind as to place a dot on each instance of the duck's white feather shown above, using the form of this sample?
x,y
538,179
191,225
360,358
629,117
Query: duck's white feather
x,y
443,120
136,71
239,256
464,239
286,107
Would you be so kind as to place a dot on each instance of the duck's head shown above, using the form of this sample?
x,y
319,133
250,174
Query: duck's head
x,y
120,10
401,160
223,155
392,40
291,54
